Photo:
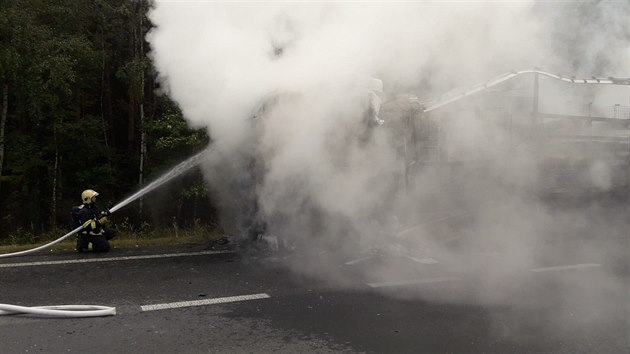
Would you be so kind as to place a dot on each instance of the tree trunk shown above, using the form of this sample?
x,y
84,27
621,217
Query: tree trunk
x,y
103,97
53,205
143,143
3,121
143,150
131,124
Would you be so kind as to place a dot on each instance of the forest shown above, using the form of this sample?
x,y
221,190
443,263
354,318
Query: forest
x,y
81,107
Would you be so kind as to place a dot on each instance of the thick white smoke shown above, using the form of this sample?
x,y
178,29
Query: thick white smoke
x,y
220,60
309,166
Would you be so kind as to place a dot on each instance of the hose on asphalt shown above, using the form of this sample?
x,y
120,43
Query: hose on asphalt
x,y
59,311
74,311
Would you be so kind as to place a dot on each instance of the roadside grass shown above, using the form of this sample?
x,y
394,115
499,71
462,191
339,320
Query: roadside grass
x,y
124,239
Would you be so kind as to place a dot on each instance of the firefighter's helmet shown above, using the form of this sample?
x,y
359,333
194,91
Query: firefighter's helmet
x,y
87,195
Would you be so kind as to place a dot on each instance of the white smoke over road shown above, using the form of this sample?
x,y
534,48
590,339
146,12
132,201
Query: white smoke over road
x,y
322,179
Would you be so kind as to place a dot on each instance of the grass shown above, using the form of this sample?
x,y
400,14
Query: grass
x,y
124,239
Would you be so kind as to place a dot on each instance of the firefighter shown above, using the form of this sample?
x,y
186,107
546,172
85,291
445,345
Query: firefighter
x,y
93,221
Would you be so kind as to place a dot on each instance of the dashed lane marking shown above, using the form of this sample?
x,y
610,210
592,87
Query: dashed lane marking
x,y
413,282
565,267
111,259
218,300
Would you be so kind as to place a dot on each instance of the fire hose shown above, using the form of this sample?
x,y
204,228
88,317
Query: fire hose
x,y
74,311
64,311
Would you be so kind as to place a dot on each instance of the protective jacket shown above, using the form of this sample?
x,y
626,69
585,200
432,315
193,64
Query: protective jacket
x,y
92,220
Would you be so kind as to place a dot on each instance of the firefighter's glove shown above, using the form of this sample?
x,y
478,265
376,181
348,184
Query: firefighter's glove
x,y
103,216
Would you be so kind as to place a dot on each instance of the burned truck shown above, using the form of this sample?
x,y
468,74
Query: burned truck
x,y
579,145
507,131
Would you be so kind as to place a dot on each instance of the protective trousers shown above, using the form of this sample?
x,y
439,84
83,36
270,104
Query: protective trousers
x,y
100,243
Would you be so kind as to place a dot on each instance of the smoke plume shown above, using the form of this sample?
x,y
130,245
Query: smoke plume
x,y
283,89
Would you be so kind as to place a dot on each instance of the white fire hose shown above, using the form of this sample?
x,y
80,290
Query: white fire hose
x,y
74,311
60,311
33,250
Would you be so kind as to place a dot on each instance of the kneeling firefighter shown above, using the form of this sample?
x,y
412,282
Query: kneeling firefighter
x,y
93,221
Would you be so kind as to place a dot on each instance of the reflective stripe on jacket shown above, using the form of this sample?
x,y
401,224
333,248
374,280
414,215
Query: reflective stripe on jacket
x,y
91,220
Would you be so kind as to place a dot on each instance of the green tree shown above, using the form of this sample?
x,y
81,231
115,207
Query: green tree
x,y
78,110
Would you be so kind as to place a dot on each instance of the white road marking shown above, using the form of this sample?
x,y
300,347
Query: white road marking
x,y
218,300
421,260
565,267
110,259
413,282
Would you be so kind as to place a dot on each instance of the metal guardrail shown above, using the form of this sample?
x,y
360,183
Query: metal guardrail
x,y
443,101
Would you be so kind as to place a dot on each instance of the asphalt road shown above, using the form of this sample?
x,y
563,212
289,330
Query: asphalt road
x,y
433,310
